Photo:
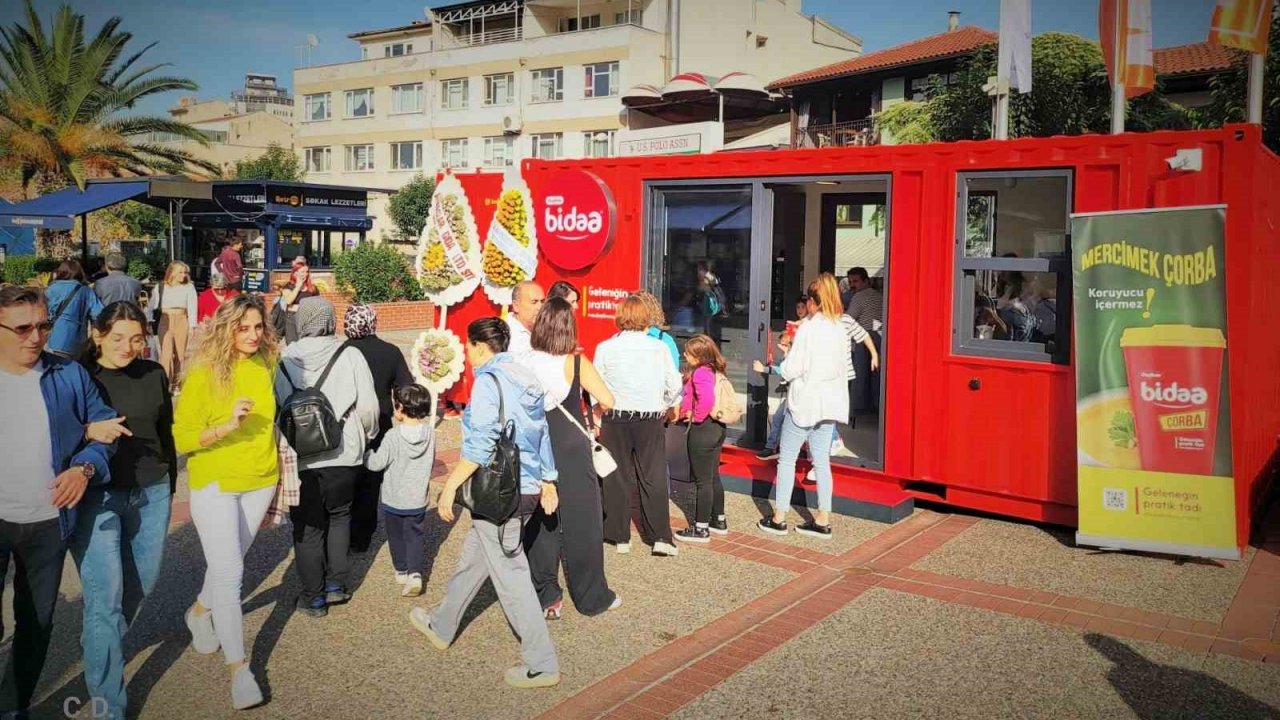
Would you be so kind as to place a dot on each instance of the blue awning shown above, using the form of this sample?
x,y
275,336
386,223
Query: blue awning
x,y
56,211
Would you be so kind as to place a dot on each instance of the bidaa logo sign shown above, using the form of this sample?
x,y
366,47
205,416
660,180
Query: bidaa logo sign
x,y
577,219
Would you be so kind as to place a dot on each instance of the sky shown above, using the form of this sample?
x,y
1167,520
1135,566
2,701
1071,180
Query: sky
x,y
216,42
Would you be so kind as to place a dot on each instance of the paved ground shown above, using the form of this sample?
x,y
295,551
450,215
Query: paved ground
x,y
941,615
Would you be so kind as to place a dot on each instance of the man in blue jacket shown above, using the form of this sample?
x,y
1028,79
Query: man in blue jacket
x,y
49,404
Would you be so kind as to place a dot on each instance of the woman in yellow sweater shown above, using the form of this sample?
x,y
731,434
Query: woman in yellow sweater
x,y
224,424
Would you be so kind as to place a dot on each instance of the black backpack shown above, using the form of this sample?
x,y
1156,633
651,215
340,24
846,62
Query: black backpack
x,y
493,490
306,418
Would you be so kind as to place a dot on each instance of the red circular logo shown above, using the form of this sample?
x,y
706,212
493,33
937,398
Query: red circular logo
x,y
576,219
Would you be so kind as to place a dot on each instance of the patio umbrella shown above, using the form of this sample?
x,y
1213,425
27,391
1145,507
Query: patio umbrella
x,y
688,86
743,84
642,95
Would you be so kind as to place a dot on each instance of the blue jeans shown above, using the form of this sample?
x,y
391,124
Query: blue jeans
x,y
794,437
775,426
118,544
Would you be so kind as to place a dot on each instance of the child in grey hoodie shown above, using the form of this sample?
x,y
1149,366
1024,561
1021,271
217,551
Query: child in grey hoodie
x,y
407,454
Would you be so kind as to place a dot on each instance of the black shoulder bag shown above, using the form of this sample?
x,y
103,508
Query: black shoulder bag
x,y
306,418
155,314
493,491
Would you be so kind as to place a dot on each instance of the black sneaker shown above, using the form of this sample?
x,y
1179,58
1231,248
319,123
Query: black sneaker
x,y
336,595
767,454
771,527
813,529
316,608
719,526
694,535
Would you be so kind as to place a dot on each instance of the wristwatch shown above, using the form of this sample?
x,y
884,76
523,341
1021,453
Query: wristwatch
x,y
89,470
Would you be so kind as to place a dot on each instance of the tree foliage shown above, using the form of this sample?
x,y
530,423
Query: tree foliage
x,y
1229,92
408,208
277,163
908,122
62,102
376,273
143,221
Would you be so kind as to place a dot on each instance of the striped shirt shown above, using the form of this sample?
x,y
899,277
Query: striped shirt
x,y
867,307
854,335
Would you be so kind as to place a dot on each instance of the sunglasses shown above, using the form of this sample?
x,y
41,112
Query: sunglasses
x,y
24,331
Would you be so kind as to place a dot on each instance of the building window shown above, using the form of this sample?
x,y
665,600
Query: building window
x,y
499,151
318,159
548,85
397,49
359,158
1013,265
571,24
360,103
316,107
406,155
599,143
499,89
627,17
921,88
453,94
406,98
216,136
602,80
453,153
364,52
548,146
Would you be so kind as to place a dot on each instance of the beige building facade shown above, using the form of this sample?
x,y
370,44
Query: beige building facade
x,y
485,85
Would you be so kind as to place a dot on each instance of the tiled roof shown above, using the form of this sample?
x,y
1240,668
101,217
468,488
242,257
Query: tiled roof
x,y
960,41
1194,59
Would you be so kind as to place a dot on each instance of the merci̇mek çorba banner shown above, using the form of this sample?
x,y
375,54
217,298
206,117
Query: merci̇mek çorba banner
x,y
1152,408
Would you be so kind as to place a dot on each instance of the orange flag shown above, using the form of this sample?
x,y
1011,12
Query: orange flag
x,y
1242,24
1129,62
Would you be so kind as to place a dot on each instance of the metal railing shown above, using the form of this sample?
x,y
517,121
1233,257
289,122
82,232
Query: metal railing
x,y
855,133
489,37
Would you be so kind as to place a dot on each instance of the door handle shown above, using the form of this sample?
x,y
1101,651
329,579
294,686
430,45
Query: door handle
x,y
760,333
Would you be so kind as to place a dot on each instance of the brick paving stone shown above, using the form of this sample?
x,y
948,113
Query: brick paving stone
x,y
1198,643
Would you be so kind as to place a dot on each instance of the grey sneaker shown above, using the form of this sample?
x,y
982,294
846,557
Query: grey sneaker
x,y
245,692
203,639
421,619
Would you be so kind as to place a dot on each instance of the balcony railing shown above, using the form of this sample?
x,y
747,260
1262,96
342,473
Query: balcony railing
x,y
489,37
855,133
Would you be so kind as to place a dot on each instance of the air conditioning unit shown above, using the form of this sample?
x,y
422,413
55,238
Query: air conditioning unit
x,y
511,124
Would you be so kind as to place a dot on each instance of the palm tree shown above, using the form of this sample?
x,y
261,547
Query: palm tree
x,y
63,104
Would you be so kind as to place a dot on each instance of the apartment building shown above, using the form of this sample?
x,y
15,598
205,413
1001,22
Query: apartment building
x,y
486,84
240,128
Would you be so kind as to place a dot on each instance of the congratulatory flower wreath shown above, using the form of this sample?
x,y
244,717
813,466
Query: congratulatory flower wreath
x,y
437,360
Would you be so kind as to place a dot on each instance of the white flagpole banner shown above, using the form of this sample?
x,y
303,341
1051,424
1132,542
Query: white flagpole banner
x,y
1014,62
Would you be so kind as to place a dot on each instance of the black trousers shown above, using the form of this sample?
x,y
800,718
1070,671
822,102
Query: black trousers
x,y
573,535
407,536
639,447
705,441
322,528
38,551
864,389
364,510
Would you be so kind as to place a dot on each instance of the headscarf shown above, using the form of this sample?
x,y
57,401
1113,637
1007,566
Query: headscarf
x,y
360,321
316,318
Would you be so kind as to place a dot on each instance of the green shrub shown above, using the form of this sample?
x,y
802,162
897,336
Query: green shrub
x,y
140,270
18,269
376,273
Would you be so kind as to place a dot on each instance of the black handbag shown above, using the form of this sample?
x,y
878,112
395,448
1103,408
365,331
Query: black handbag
x,y
158,311
306,419
493,490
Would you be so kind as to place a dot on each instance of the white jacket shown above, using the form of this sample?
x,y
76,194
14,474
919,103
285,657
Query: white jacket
x,y
817,370
350,391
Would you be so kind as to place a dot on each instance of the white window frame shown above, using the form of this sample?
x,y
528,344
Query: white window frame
x,y
447,149
406,48
349,162
322,151
589,143
416,160
350,97
578,22
592,70
556,140
492,85
309,102
627,17
399,92
507,158
445,96
538,79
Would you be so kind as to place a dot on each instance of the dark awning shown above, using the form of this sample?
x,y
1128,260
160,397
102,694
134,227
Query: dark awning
x,y
57,211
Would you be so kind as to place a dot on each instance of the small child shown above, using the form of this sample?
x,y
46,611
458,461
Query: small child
x,y
407,454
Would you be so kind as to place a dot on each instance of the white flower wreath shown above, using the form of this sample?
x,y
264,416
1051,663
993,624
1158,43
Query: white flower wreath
x,y
457,271
437,360
523,256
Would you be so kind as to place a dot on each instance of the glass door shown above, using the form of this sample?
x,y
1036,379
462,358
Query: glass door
x,y
702,267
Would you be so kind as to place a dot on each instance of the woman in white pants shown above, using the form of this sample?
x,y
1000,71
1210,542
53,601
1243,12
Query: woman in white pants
x,y
223,423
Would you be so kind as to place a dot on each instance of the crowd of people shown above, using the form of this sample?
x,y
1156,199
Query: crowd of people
x,y
591,432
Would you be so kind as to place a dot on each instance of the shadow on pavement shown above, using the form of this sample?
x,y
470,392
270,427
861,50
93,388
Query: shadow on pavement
x,y
1155,691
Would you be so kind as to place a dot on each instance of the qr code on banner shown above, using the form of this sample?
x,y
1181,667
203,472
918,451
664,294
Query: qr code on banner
x,y
1115,499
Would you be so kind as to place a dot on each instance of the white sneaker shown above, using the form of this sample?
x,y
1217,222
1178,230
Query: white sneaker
x,y
421,619
401,577
245,692
617,603
524,678
665,549
412,586
203,638
624,548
